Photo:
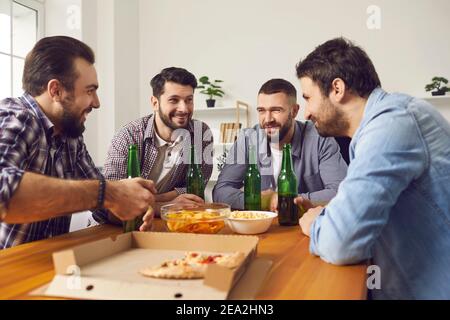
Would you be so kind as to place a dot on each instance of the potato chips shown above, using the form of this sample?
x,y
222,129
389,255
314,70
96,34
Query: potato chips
x,y
187,221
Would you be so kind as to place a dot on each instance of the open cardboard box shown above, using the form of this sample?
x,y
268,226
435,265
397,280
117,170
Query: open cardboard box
x,y
109,268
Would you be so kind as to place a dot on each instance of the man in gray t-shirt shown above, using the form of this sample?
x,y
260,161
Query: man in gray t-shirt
x,y
317,161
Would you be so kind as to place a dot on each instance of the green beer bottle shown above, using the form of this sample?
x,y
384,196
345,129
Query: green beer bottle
x,y
287,191
133,171
194,179
252,183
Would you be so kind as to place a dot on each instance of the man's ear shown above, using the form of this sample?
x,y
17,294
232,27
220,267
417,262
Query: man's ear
x,y
338,90
295,109
55,90
155,103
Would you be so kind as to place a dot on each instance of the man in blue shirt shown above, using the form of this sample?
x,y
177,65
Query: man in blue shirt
x,y
394,205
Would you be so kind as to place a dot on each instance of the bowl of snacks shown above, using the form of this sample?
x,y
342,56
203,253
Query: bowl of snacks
x,y
250,222
207,218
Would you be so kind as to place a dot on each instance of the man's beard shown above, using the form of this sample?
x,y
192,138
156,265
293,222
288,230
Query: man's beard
x,y
332,122
70,123
166,119
282,133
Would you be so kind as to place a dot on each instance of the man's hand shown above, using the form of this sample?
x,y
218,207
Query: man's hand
x,y
170,198
308,218
187,199
130,198
303,204
269,200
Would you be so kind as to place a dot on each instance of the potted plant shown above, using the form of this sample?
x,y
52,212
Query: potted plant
x,y
211,89
438,85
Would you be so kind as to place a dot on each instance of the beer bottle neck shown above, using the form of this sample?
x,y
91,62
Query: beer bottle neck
x,y
287,159
194,166
193,160
252,161
133,167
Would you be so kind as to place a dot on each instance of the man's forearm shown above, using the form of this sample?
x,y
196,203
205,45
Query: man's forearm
x,y
40,198
324,195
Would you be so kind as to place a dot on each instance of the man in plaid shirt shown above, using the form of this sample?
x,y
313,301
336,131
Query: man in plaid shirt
x,y
46,172
164,139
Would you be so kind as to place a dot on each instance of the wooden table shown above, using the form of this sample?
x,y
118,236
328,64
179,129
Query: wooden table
x,y
295,273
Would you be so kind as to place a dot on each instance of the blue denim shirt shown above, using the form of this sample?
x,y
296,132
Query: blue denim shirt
x,y
394,205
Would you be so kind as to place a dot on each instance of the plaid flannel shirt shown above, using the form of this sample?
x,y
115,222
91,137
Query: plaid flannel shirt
x,y
27,144
142,133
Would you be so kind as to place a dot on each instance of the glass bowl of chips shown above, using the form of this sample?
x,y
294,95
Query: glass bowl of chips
x,y
208,218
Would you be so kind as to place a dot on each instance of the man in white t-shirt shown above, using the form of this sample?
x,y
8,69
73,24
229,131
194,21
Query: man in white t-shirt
x,y
317,161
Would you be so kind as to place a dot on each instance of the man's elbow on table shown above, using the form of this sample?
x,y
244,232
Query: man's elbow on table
x,y
339,250
342,257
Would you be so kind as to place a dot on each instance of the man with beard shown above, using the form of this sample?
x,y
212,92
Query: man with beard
x,y
317,161
46,172
394,205
164,138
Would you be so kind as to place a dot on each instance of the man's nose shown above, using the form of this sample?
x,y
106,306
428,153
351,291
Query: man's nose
x,y
268,117
96,102
182,107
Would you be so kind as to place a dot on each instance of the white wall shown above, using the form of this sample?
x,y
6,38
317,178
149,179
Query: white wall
x,y
63,17
111,28
248,42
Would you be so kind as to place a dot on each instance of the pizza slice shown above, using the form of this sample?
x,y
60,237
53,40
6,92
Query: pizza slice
x,y
192,266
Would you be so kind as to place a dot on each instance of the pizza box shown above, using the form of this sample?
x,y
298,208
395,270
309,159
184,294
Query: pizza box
x,y
109,268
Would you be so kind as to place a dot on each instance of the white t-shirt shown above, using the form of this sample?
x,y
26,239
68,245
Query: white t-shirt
x,y
277,158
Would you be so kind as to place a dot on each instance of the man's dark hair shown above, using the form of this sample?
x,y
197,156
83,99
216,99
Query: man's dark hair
x,y
340,58
172,74
279,85
53,58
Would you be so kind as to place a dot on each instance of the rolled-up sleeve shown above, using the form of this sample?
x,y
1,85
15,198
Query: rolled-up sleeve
x,y
18,131
389,155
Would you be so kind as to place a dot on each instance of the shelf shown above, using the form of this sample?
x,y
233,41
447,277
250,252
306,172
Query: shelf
x,y
447,97
217,109
217,117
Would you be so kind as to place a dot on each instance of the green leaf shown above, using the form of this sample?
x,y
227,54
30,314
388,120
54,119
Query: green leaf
x,y
210,89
